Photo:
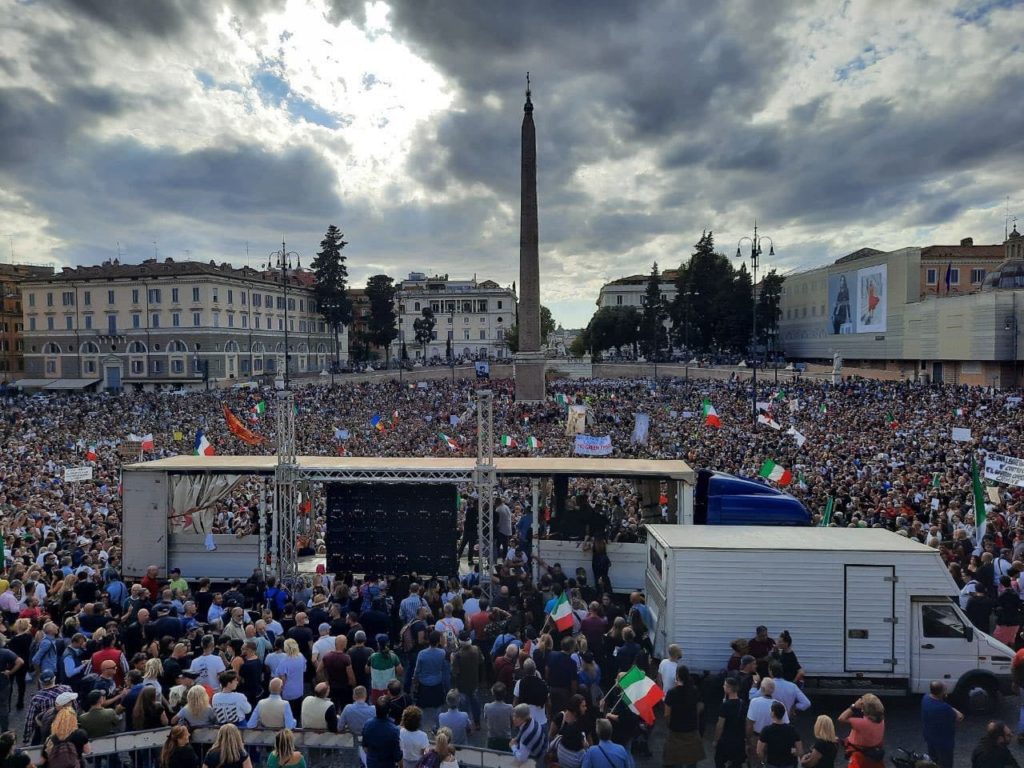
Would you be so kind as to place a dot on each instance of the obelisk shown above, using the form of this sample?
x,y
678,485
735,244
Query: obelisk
x,y
529,361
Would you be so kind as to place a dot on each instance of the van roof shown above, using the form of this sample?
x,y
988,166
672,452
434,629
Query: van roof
x,y
784,538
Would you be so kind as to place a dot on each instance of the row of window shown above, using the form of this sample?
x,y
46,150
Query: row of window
x,y
465,320
932,276
304,326
155,295
500,334
177,366
465,306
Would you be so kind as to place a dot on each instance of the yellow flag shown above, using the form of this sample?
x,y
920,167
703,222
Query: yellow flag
x,y
178,435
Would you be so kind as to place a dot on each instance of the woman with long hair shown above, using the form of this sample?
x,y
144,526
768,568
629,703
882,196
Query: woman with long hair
x,y
569,727
65,731
149,711
443,747
292,669
866,718
177,752
826,746
197,712
284,754
682,711
414,742
228,751
21,646
589,678
151,674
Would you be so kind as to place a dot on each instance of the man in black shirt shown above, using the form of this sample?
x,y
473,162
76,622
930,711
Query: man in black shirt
x,y
360,656
993,750
779,744
730,730
561,675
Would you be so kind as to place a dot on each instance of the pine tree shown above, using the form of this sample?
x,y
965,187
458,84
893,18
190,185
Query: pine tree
x,y
329,286
381,322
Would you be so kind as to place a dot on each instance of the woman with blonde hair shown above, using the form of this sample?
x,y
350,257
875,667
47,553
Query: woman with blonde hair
x,y
151,674
826,745
866,718
21,646
177,752
65,735
292,669
197,712
284,754
228,751
444,749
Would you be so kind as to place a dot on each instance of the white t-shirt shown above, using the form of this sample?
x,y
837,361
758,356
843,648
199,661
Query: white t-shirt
x,y
207,668
323,646
667,672
760,713
230,707
452,627
413,743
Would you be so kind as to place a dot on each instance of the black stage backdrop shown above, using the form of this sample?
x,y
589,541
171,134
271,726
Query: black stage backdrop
x,y
391,529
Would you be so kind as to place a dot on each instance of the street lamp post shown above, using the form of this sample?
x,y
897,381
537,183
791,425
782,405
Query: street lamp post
x,y
1011,325
451,342
688,296
755,255
282,261
772,336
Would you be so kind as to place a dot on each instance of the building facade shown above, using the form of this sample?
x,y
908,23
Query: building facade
x,y
877,309
632,291
12,361
169,324
475,316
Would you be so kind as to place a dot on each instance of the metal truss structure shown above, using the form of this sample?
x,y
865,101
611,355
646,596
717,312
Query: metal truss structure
x,y
387,475
485,479
283,548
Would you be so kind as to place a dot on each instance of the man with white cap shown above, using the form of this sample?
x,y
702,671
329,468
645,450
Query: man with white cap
x,y
45,720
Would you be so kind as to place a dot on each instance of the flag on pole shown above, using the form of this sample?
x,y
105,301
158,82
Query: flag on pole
x,y
376,422
710,415
260,408
449,441
980,521
795,434
239,430
508,441
561,613
561,399
958,411
767,420
823,409
935,479
641,693
394,418
202,445
826,517
772,471
147,441
532,442
90,452
890,420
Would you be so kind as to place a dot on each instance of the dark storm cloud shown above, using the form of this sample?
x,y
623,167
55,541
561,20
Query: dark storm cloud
x,y
162,19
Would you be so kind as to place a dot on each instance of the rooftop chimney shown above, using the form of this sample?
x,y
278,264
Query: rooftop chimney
x,y
967,241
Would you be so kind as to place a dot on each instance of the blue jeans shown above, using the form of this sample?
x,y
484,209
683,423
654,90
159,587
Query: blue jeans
x,y
469,701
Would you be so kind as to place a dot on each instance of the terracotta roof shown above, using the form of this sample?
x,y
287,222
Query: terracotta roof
x,y
996,252
668,276
113,270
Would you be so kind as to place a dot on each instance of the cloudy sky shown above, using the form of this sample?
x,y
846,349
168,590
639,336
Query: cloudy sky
x,y
203,127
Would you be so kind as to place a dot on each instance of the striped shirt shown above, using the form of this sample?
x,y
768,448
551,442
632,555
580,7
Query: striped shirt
x,y
533,741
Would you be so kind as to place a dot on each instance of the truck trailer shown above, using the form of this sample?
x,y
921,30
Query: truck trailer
x,y
868,610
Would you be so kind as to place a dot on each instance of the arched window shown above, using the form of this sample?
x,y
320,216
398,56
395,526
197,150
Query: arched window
x,y
90,348
51,349
258,348
176,345
136,348
231,346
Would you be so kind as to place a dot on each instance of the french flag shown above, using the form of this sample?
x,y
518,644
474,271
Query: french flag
x,y
202,446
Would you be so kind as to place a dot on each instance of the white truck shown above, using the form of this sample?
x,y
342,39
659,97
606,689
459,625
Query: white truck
x,y
868,610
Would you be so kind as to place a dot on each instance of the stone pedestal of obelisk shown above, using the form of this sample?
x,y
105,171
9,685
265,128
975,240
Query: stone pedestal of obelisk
x,y
529,361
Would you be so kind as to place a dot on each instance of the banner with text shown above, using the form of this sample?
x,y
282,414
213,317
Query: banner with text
x,y
1004,469
589,445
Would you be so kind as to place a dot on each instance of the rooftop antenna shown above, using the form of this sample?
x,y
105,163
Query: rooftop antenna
x,y
118,249
1006,220
156,251
11,238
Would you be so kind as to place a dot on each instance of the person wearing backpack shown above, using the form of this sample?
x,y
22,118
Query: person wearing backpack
x,y
66,743
413,639
47,654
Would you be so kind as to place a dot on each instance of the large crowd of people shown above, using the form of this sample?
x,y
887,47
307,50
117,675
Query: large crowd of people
x,y
419,666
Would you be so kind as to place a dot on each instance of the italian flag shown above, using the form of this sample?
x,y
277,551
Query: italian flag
x,y
561,399
890,420
533,442
980,521
772,471
711,415
561,614
90,452
449,441
641,694
823,408
508,441
260,407
958,411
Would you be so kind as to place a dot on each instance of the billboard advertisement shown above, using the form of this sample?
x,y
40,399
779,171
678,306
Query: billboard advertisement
x,y
857,301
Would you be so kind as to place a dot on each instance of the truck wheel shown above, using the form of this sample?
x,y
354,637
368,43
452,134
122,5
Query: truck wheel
x,y
977,697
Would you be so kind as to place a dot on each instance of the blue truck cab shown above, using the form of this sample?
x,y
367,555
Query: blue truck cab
x,y
723,499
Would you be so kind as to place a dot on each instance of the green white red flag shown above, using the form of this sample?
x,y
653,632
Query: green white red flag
x,y
641,693
777,474
561,614
711,415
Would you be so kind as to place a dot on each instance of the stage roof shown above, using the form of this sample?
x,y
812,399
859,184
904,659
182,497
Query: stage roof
x,y
523,467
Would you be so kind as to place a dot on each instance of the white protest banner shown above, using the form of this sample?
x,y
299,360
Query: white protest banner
x,y
641,426
590,445
76,474
1004,469
961,435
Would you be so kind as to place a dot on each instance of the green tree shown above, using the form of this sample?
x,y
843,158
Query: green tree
x,y
707,293
381,322
547,326
423,327
613,328
769,294
739,313
580,345
652,329
329,286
